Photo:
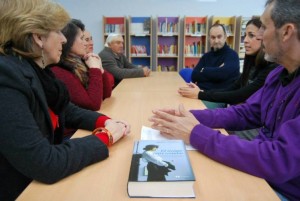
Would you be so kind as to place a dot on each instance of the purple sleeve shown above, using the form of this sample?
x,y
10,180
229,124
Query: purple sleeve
x,y
239,117
275,160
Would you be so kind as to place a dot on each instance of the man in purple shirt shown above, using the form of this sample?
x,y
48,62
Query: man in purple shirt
x,y
275,153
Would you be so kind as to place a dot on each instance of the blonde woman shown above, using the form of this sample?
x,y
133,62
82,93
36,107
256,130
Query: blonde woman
x,y
35,106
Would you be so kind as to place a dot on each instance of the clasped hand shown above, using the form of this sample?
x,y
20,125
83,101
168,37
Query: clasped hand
x,y
173,123
92,60
117,128
191,91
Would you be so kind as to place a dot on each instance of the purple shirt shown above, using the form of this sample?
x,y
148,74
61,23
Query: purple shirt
x,y
275,153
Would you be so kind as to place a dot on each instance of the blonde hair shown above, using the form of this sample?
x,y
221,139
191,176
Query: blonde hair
x,y
19,19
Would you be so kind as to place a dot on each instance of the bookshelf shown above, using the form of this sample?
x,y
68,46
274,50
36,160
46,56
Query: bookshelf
x,y
114,25
167,40
230,27
140,41
194,40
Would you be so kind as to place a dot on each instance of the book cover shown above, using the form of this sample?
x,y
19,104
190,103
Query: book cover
x,y
160,168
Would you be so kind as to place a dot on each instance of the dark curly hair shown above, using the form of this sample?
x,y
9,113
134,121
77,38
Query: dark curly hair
x,y
70,31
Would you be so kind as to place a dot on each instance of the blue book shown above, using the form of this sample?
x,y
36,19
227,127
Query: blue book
x,y
160,168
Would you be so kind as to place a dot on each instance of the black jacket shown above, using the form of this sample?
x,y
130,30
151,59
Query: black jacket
x,y
27,149
238,94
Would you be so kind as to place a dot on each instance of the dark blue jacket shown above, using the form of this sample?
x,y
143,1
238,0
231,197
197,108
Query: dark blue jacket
x,y
217,70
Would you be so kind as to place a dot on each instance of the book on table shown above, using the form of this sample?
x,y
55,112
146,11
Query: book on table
x,y
160,168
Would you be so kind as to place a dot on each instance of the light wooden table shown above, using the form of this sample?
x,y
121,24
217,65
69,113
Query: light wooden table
x,y
133,100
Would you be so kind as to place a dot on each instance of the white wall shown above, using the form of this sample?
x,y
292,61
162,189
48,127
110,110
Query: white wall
x,y
91,11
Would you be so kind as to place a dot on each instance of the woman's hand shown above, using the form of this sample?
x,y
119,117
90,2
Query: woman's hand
x,y
174,124
191,91
117,128
92,60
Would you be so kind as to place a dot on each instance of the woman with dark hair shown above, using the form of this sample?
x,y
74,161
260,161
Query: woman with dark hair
x,y
255,71
86,80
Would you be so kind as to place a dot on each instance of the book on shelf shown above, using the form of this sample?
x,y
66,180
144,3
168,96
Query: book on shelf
x,y
114,28
138,50
164,68
141,28
160,168
166,50
168,27
194,49
158,68
147,26
195,29
228,29
136,28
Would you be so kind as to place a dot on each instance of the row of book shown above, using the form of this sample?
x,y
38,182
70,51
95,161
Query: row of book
x,y
138,50
165,68
195,28
167,49
114,28
168,27
164,27
228,29
195,49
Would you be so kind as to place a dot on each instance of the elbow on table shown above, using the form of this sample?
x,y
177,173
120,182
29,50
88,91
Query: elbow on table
x,y
48,178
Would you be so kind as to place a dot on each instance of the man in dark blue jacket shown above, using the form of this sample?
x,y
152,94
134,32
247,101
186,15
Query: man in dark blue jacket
x,y
218,68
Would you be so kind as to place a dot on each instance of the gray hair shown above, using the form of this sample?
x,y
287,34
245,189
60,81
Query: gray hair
x,y
111,37
285,11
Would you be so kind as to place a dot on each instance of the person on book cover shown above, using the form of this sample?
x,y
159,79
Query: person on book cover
x,y
217,69
36,107
115,62
274,153
157,167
